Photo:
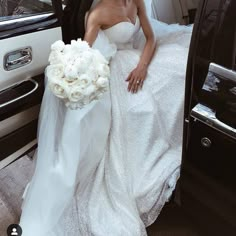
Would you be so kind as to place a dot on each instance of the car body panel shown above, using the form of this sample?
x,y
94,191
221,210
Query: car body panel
x,y
25,46
40,53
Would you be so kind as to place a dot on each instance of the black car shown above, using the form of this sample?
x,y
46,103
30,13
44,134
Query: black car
x,y
206,191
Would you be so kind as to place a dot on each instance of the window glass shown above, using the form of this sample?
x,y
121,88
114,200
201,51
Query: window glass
x,y
11,9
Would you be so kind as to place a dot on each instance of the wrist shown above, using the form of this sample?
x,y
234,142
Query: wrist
x,y
143,65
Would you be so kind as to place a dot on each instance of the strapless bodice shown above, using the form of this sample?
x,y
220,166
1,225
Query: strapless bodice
x,y
122,33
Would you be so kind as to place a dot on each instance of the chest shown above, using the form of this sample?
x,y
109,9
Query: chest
x,y
129,10
126,12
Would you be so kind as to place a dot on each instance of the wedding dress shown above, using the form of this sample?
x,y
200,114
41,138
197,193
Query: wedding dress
x,y
109,168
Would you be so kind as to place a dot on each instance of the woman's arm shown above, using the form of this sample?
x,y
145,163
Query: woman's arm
x,y
92,27
150,38
138,75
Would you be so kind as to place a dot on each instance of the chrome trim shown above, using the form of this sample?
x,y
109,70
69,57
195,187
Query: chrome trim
x,y
208,116
25,57
186,120
222,71
22,96
24,18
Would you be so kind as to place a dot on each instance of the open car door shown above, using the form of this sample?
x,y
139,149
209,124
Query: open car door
x,y
27,30
208,190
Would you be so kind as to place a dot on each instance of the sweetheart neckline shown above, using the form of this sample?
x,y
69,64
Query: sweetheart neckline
x,y
129,22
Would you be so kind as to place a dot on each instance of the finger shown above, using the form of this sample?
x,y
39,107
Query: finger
x,y
142,79
129,77
141,85
136,86
130,83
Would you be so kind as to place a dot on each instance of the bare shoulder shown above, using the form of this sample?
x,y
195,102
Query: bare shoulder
x,y
140,4
98,14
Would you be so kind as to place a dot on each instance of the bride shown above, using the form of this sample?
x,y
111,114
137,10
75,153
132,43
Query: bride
x,y
109,168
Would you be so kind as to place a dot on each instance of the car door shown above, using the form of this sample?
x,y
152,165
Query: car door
x,y
208,189
27,30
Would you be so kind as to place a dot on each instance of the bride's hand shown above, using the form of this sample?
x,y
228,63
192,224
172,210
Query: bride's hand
x,y
136,78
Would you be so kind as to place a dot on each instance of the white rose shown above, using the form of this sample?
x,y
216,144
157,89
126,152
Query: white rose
x,y
83,45
84,80
81,64
89,90
71,72
79,46
73,42
59,87
58,46
55,57
70,57
87,56
76,94
91,72
90,94
75,46
103,70
55,71
67,49
102,82
79,40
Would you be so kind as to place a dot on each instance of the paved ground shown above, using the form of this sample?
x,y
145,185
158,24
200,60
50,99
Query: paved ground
x,y
13,179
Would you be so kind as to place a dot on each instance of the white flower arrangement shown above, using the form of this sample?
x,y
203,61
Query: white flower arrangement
x,y
77,74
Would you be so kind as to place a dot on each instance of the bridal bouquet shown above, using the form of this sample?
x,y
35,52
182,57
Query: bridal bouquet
x,y
77,74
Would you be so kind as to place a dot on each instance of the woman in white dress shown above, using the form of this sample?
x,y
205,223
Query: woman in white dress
x,y
109,168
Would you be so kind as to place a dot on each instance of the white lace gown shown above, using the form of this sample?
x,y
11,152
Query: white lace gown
x,y
109,168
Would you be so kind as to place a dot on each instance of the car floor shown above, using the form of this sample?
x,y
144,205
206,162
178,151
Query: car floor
x,y
14,178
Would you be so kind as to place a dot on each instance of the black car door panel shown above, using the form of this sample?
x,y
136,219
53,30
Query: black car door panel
x,y
208,189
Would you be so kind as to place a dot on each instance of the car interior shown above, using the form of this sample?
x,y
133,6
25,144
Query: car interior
x,y
204,201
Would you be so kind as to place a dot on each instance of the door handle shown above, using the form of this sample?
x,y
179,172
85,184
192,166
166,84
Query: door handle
x,y
20,97
208,116
21,60
222,71
18,58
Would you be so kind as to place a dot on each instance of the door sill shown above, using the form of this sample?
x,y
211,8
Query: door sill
x,y
17,154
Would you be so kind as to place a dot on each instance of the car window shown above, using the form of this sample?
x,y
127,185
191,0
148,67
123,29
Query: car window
x,y
11,9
